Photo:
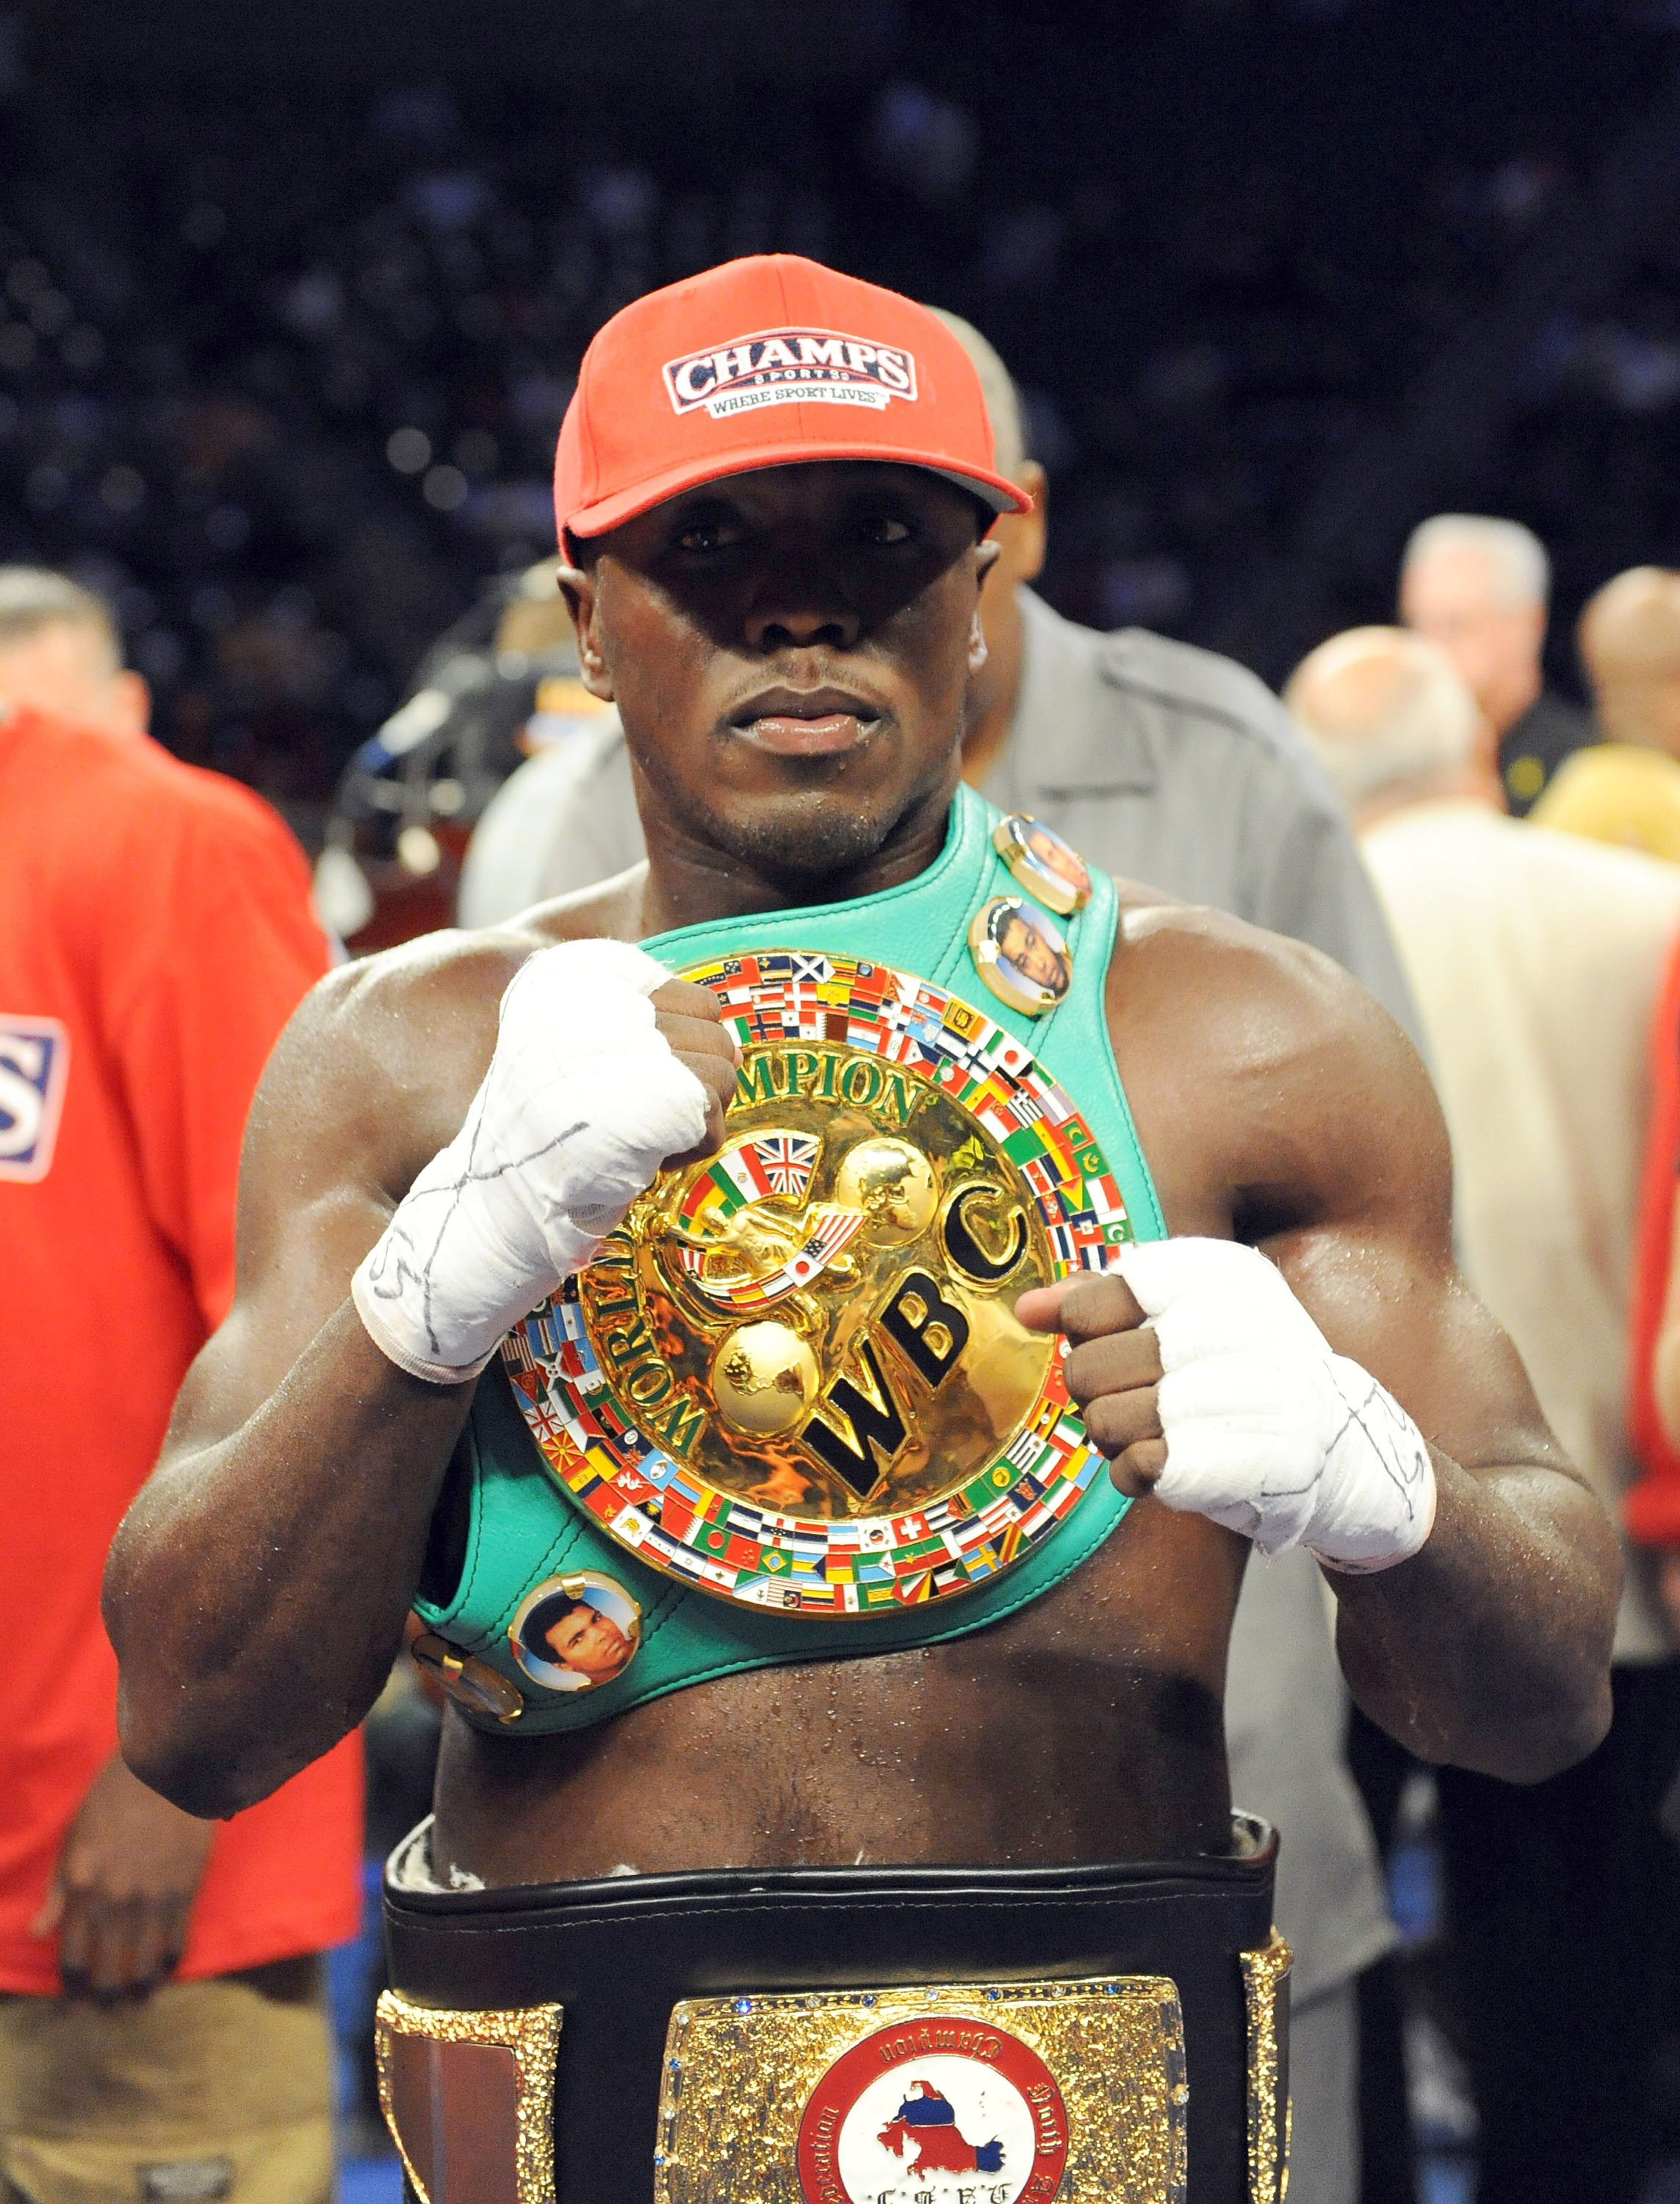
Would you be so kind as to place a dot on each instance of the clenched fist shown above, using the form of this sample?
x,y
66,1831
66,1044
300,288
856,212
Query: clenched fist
x,y
604,1069
1201,1375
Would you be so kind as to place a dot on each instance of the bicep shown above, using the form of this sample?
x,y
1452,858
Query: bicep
x,y
1406,1315
281,1305
312,1201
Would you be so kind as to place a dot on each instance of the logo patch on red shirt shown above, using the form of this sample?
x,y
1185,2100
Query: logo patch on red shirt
x,y
34,1063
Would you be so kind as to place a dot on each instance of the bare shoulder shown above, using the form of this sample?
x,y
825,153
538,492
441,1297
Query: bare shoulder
x,y
374,1072
609,910
1268,1085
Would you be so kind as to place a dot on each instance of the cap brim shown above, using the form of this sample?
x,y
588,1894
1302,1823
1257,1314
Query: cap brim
x,y
993,489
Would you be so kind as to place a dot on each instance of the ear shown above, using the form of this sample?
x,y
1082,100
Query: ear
x,y
577,586
986,555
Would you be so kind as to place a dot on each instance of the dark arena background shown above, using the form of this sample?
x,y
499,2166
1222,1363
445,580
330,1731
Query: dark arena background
x,y
292,296
293,309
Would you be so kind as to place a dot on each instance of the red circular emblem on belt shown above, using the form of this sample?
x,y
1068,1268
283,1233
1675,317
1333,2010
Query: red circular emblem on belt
x,y
938,2105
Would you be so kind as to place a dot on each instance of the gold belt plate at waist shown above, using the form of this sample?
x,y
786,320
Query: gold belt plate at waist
x,y
1018,2093
1050,2092
793,1377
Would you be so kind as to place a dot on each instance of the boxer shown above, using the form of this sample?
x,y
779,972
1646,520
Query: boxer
x,y
554,1263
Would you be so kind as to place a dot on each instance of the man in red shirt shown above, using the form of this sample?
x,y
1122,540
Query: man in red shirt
x,y
162,2032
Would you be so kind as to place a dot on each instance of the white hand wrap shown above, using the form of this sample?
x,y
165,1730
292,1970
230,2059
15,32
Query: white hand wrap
x,y
1267,1430
582,1102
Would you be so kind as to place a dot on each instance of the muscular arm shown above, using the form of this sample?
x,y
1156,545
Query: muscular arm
x,y
257,1590
1489,1649
1317,1138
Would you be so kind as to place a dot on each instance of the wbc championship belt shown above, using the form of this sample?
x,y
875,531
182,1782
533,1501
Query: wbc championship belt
x,y
793,1375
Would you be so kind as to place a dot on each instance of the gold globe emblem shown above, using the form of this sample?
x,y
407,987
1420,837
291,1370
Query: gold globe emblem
x,y
763,1378
818,1320
893,1184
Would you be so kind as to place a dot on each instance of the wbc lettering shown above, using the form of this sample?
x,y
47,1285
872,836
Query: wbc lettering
x,y
854,1419
813,1304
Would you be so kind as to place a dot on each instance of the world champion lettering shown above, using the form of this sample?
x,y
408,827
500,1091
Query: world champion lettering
x,y
773,366
931,2037
827,1074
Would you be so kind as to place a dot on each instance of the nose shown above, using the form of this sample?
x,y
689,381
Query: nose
x,y
798,612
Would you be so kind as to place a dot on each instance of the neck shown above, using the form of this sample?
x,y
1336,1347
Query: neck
x,y
690,882
1646,715
988,730
994,694
1506,706
1470,787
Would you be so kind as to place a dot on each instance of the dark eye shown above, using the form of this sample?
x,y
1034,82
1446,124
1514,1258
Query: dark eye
x,y
884,530
713,531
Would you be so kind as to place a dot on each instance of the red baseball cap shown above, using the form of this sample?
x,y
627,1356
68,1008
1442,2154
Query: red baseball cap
x,y
767,362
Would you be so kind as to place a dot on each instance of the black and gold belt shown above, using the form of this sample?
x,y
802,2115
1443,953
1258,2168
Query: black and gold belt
x,y
845,2035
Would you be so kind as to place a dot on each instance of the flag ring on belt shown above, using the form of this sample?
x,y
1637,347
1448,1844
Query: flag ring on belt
x,y
793,1376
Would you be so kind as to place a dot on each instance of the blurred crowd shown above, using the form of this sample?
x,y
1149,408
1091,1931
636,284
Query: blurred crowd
x,y
281,376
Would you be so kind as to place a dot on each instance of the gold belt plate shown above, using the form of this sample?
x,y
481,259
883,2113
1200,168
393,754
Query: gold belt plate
x,y
794,1376
1007,2094
468,2099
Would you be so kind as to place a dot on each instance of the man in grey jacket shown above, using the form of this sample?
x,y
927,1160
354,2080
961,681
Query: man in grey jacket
x,y
1167,765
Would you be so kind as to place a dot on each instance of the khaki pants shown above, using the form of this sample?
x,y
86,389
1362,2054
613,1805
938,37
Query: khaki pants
x,y
206,2090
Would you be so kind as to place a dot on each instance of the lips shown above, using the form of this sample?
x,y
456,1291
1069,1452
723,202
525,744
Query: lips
x,y
805,722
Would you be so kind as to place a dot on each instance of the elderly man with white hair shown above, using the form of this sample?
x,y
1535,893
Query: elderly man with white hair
x,y
1480,587
1534,958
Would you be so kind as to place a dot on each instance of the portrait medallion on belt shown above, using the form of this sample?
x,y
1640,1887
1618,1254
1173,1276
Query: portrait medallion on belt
x,y
575,1632
794,1375
1022,956
1040,862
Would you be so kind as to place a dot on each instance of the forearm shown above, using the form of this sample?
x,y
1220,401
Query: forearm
x,y
1666,1378
256,1592
1490,1648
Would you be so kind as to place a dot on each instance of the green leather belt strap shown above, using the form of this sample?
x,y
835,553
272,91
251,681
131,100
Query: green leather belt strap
x,y
524,1526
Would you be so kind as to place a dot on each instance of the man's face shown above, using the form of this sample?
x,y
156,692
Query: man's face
x,y
1054,859
590,1642
65,668
789,651
1452,597
1033,956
